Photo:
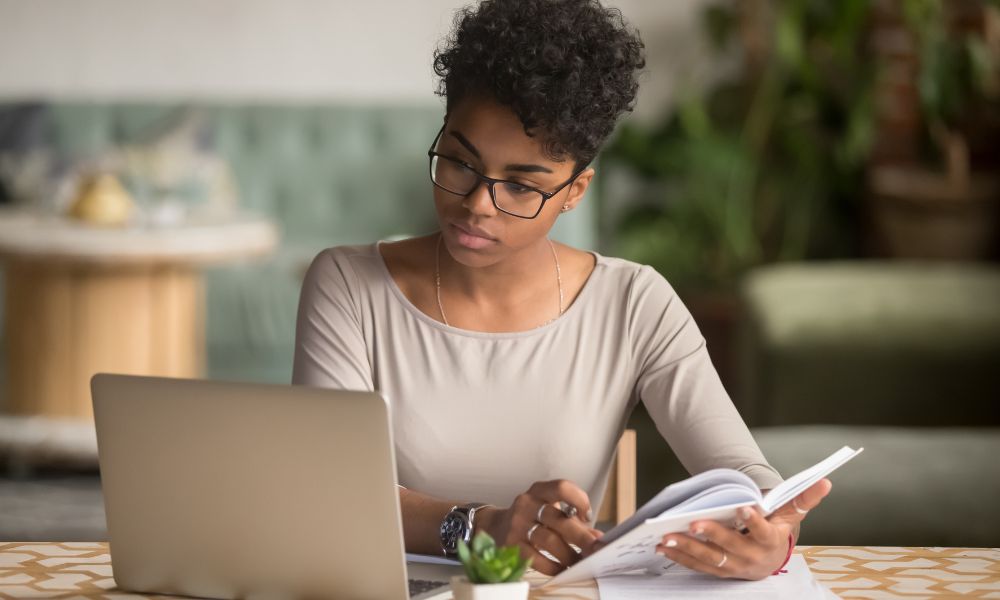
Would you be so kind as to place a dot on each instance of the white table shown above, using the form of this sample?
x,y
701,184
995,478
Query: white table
x,y
83,570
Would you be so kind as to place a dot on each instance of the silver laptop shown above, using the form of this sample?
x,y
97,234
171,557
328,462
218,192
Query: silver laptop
x,y
227,490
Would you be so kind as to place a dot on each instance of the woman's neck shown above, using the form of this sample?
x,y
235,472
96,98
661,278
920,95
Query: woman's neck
x,y
520,293
521,275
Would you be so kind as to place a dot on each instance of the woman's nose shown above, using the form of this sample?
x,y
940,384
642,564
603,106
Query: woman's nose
x,y
479,201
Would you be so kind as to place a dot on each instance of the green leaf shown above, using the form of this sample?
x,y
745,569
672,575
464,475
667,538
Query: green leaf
x,y
789,35
510,554
463,552
518,572
486,563
482,542
483,573
982,64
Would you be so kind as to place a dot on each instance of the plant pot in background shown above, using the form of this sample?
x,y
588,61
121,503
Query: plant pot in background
x,y
919,213
463,589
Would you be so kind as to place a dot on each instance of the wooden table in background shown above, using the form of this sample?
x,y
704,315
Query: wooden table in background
x,y
83,570
83,299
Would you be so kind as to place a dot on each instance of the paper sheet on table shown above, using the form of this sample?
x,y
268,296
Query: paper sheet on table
x,y
679,583
427,559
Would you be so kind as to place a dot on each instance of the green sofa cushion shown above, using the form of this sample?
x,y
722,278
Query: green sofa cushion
x,y
910,487
872,342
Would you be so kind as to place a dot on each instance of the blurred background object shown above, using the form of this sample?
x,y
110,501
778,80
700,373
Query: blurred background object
x,y
817,180
101,200
848,133
935,189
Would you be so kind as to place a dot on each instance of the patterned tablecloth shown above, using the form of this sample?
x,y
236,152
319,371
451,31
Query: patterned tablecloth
x,y
82,570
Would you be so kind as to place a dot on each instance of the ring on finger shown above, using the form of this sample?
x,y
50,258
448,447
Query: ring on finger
x,y
795,505
538,515
725,557
532,530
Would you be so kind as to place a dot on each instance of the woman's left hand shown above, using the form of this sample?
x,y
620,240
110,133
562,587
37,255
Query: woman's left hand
x,y
753,555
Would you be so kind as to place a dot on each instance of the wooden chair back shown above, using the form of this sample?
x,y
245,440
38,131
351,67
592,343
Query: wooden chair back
x,y
619,498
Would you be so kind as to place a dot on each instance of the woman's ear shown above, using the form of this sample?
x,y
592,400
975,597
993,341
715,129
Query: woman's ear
x,y
577,189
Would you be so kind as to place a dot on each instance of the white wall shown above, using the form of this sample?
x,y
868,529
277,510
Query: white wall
x,y
375,51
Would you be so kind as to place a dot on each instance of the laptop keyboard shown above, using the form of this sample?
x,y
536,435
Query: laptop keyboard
x,y
419,586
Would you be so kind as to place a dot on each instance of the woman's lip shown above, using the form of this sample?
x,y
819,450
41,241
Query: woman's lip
x,y
470,240
471,232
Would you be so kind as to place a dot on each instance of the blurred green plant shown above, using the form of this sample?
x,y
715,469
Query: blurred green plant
x,y
958,79
766,167
485,563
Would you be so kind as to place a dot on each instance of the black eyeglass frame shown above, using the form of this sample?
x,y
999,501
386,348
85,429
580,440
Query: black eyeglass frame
x,y
490,182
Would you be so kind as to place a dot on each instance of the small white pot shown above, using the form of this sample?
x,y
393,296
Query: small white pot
x,y
463,589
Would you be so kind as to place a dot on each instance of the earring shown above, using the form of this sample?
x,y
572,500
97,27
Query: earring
x,y
565,207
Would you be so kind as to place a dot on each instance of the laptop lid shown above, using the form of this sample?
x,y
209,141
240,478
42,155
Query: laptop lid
x,y
232,490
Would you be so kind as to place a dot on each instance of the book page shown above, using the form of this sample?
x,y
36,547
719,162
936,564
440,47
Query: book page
x,y
720,495
676,493
637,548
634,546
795,485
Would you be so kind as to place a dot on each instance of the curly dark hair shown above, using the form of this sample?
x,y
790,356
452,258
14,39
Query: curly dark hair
x,y
567,68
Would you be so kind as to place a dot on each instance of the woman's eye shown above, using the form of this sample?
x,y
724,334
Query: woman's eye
x,y
516,188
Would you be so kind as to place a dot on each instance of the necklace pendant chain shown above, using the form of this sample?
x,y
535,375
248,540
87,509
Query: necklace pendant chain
x,y
437,280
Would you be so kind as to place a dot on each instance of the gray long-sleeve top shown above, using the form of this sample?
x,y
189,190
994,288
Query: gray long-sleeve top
x,y
481,416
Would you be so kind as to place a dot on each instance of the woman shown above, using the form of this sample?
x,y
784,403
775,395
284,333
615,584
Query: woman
x,y
512,362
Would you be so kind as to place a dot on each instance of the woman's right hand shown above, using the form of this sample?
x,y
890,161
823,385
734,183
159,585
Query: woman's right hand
x,y
555,531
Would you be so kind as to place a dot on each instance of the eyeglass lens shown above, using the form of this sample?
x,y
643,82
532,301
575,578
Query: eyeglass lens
x,y
459,179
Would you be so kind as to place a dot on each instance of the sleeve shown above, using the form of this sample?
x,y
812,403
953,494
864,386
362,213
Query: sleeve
x,y
330,349
681,389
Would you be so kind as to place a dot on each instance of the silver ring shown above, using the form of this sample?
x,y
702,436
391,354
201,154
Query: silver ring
x,y
538,515
725,557
795,505
532,530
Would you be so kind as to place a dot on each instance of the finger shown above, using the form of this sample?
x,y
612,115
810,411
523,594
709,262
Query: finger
x,y
545,539
706,552
553,491
538,561
760,529
597,546
723,537
796,510
573,531
811,498
691,562
699,556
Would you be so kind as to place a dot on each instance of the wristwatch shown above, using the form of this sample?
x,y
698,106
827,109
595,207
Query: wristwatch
x,y
457,525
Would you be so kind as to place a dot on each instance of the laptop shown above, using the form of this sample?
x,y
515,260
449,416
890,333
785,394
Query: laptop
x,y
245,490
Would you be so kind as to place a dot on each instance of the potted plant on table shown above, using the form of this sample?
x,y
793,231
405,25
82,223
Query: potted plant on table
x,y
491,573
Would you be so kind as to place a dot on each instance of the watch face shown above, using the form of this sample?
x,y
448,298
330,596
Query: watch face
x,y
455,527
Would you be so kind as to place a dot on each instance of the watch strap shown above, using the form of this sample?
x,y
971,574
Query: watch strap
x,y
473,509
469,511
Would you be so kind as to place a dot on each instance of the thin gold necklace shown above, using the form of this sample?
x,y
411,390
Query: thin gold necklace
x,y
437,280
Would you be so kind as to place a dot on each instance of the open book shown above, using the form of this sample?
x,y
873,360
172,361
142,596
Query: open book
x,y
713,495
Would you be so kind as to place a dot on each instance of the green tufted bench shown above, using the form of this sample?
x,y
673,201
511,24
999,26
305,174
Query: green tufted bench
x,y
901,358
910,487
328,174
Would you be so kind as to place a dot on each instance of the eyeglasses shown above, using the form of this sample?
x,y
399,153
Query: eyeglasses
x,y
515,199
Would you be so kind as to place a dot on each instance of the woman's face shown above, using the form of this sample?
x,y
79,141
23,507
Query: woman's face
x,y
490,139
